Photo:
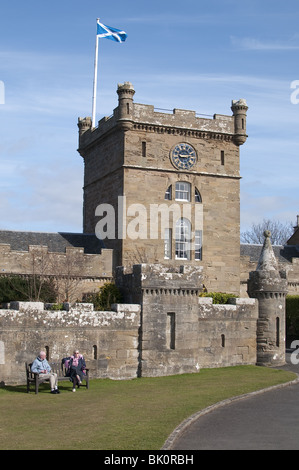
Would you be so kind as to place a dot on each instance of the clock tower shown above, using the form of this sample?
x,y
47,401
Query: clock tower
x,y
164,187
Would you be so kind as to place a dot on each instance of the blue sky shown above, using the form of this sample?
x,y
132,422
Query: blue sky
x,y
192,55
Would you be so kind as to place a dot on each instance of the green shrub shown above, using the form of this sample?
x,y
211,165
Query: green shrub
x,y
56,307
218,297
108,294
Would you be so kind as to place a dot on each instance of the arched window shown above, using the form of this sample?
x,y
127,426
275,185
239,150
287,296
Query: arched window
x,y
168,194
197,196
182,239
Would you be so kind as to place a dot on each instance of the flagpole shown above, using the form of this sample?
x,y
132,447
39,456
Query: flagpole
x,y
95,79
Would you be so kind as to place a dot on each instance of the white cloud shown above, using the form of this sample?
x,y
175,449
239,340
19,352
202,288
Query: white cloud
x,y
253,44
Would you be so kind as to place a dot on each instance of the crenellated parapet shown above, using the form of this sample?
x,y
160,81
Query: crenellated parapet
x,y
186,123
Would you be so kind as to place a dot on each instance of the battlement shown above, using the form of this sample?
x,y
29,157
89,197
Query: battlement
x,y
182,119
157,279
46,262
129,115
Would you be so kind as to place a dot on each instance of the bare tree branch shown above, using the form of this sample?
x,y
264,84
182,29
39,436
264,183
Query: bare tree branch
x,y
280,232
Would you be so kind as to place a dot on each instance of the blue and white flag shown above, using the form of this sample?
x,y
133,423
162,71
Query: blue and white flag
x,y
107,32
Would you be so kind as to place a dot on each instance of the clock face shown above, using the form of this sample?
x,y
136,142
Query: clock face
x,y
183,156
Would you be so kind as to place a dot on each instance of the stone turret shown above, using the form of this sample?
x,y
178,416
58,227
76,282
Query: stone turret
x,y
269,286
125,104
239,109
84,124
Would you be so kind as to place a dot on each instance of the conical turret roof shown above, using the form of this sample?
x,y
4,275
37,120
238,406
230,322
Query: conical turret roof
x,y
267,260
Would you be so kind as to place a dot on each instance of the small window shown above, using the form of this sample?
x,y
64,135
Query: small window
x,y
170,332
168,194
144,149
197,196
222,157
277,332
223,341
182,191
47,351
198,245
167,243
95,351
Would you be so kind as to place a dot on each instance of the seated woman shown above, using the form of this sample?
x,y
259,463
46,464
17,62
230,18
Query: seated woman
x,y
75,368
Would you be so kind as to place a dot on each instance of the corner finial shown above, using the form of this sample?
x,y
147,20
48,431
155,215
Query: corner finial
x,y
267,234
267,261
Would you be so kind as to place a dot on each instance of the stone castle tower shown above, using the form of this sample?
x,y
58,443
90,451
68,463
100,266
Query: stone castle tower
x,y
269,286
164,187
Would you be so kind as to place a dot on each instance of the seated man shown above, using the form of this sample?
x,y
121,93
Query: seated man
x,y
42,367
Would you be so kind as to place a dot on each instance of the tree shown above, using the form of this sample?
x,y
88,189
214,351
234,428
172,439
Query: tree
x,y
19,288
68,271
280,232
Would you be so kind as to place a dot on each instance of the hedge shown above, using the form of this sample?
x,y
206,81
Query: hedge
x,y
292,315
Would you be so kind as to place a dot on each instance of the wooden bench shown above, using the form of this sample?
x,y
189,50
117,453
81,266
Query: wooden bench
x,y
58,368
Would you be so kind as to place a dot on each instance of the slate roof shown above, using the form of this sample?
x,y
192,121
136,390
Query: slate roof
x,y
56,241
284,254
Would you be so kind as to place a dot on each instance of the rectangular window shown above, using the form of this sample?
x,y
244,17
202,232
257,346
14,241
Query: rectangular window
x,y
182,191
170,330
144,149
277,332
182,239
222,157
167,243
198,245
182,250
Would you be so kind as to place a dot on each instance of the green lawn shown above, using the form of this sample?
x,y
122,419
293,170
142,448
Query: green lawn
x,y
120,415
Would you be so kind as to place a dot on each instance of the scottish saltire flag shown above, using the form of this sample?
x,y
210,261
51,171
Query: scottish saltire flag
x,y
107,32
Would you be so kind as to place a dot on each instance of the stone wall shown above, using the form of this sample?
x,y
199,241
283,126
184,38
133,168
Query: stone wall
x,y
74,272
108,340
227,333
180,331
168,329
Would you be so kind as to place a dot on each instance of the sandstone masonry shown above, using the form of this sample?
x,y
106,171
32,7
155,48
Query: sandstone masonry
x,y
137,160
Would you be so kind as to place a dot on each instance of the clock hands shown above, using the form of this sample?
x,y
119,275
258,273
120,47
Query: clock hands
x,y
183,156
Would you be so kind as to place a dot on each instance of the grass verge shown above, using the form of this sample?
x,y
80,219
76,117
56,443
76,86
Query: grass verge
x,y
137,414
